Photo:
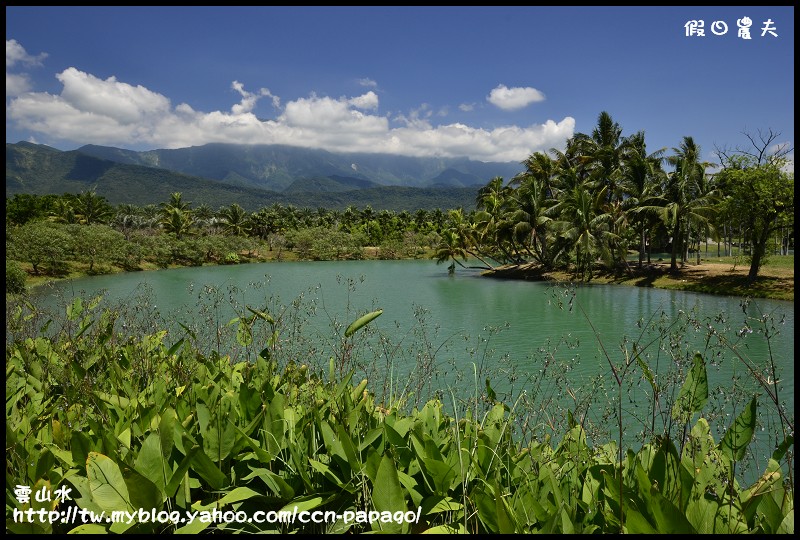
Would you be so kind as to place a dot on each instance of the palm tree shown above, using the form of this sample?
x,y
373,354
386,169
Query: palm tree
x,y
92,208
177,221
63,211
690,198
530,218
601,154
493,220
584,225
450,246
642,176
234,219
176,201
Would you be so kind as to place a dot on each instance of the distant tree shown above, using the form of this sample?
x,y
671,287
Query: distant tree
x,y
762,196
177,221
24,207
234,219
96,244
44,245
690,198
92,208
15,278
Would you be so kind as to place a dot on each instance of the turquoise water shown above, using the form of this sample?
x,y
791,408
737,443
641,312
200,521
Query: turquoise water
x,y
444,335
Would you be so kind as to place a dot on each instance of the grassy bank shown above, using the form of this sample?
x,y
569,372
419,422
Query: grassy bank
x,y
725,276
722,276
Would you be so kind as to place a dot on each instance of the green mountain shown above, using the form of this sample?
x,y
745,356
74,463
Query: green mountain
x,y
277,167
39,169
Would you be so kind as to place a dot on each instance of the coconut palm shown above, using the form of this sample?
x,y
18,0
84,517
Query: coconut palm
x,y
584,225
234,220
690,198
642,177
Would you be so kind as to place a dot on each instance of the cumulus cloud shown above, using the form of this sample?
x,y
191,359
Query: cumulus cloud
x,y
368,101
466,107
19,83
249,99
510,99
368,82
16,53
111,112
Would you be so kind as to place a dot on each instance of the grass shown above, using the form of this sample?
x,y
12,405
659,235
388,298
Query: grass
x,y
721,276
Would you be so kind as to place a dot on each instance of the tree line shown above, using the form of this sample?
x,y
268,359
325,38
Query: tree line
x,y
605,195
580,209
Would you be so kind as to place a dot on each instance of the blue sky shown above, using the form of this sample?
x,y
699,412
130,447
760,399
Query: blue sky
x,y
490,83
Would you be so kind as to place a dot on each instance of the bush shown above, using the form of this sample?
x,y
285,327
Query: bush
x,y
15,278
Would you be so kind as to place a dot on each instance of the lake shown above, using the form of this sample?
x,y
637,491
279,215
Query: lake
x,y
544,348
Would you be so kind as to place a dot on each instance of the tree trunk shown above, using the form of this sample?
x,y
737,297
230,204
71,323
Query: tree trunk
x,y
641,246
676,242
758,250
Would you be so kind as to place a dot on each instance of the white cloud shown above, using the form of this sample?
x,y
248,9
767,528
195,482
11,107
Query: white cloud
x,y
368,82
110,112
19,83
467,107
510,99
367,101
16,53
109,98
249,99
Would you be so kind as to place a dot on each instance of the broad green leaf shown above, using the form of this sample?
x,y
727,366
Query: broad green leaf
x,y
782,448
327,472
118,401
261,314
737,438
457,528
178,474
107,484
387,493
207,469
75,309
238,494
274,482
359,323
693,394
143,492
149,462
505,519
308,502
665,516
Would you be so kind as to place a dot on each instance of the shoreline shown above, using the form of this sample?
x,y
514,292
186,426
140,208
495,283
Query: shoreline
x,y
717,278
708,277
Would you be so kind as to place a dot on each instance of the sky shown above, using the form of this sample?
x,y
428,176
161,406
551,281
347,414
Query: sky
x,y
488,83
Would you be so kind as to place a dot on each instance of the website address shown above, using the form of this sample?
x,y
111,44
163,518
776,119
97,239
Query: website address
x,y
176,517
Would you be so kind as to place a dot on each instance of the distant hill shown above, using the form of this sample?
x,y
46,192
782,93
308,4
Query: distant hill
x,y
329,184
277,167
39,169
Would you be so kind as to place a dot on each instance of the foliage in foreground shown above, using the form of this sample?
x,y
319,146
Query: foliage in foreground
x,y
130,423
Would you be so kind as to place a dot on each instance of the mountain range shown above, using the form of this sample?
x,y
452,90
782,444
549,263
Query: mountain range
x,y
251,175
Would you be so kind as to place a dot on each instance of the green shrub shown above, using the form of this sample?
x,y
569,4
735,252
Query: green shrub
x,y
15,278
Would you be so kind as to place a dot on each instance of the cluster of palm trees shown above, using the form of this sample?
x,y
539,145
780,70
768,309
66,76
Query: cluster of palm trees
x,y
591,203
